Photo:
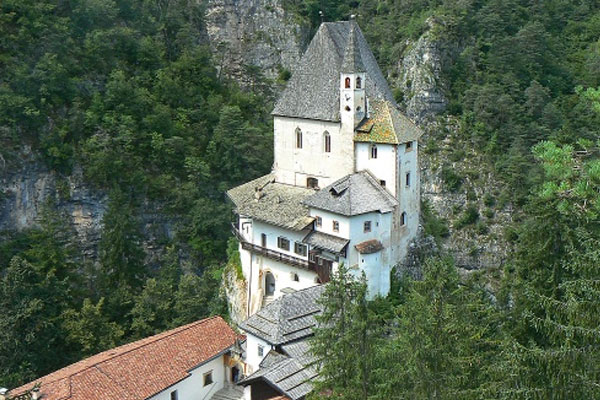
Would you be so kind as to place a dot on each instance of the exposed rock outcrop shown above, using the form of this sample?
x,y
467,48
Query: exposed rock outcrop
x,y
420,72
27,186
249,36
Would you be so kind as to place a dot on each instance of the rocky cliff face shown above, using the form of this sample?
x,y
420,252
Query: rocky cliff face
x,y
457,183
27,186
253,36
420,72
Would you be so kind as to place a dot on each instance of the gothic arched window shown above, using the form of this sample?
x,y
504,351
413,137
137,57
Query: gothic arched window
x,y
327,142
373,151
358,82
298,138
347,83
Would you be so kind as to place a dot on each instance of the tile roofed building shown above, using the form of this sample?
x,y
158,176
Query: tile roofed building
x,y
139,370
354,194
313,90
288,318
272,202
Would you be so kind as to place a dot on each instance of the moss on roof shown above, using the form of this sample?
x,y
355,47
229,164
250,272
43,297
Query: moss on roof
x,y
386,124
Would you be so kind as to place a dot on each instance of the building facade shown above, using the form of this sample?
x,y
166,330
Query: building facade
x,y
345,185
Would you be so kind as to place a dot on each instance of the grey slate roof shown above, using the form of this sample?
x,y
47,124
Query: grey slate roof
x,y
352,61
288,318
313,91
354,194
278,204
327,242
290,374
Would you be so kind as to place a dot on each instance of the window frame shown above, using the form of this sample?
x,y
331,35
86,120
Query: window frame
x,y
358,83
335,226
408,146
347,83
298,246
207,378
174,395
373,152
407,179
298,138
283,243
318,221
403,218
260,350
263,239
367,226
327,142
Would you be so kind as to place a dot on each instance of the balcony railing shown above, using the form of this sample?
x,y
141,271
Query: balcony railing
x,y
323,271
276,255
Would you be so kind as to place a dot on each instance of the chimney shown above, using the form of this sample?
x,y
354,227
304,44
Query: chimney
x,y
3,394
258,194
35,392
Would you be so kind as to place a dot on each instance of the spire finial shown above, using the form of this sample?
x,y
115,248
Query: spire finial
x,y
352,62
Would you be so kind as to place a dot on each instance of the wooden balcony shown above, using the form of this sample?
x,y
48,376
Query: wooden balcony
x,y
278,256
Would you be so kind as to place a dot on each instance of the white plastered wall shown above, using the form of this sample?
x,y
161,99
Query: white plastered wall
x,y
381,167
253,359
293,166
193,387
409,199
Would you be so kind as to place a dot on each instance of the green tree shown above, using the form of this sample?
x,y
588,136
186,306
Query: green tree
x,y
345,338
445,342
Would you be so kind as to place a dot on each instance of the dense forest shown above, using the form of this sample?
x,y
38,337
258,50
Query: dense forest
x,y
128,91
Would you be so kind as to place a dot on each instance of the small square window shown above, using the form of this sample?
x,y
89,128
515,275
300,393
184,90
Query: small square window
x,y
382,183
283,243
409,146
174,395
367,226
208,378
300,249
261,350
336,226
318,221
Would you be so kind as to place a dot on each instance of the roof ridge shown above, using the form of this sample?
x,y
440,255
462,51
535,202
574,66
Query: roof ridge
x,y
95,365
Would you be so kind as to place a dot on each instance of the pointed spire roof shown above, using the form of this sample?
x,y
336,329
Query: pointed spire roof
x,y
352,62
313,92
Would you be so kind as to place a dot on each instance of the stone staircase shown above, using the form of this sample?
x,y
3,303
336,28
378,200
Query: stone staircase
x,y
229,392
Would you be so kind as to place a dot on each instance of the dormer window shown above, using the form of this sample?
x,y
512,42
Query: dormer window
x,y
347,83
298,138
327,142
373,151
358,82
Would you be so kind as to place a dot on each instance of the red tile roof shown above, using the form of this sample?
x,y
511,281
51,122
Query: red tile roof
x,y
140,369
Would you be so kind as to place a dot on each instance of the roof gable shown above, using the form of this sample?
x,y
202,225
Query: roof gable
x,y
138,370
288,318
313,90
354,194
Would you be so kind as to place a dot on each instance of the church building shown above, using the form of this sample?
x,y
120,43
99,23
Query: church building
x,y
345,181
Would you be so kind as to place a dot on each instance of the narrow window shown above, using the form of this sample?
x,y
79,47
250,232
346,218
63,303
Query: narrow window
x,y
347,83
312,183
208,378
261,350
318,221
382,183
300,249
327,142
373,151
367,226
298,138
263,240
403,219
295,277
336,226
407,179
174,395
358,82
283,243
409,146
